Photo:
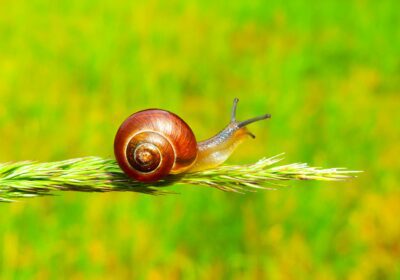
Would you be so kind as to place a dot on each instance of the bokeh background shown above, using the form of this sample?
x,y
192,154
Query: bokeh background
x,y
328,72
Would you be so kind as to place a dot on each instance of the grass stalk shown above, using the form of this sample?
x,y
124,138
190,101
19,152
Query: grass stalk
x,y
95,174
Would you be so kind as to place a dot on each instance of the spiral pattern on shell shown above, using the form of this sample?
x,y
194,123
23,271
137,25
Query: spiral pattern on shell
x,y
153,143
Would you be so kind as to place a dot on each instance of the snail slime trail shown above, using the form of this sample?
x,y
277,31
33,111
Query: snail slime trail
x,y
154,143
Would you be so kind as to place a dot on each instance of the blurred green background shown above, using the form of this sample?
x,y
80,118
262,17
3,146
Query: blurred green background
x,y
327,71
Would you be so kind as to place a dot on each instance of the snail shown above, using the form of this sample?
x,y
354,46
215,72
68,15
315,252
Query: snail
x,y
154,143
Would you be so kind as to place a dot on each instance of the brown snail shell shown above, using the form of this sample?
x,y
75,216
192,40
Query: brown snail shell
x,y
153,143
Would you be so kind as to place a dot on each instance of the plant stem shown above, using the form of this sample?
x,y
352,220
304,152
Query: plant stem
x,y
95,174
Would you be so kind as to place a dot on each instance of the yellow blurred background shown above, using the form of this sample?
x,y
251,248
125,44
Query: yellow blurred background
x,y
327,71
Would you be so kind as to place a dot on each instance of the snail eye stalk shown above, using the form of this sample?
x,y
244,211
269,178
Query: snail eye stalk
x,y
246,122
249,121
234,107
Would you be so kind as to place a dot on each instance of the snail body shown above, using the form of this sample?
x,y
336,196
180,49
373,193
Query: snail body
x,y
153,143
